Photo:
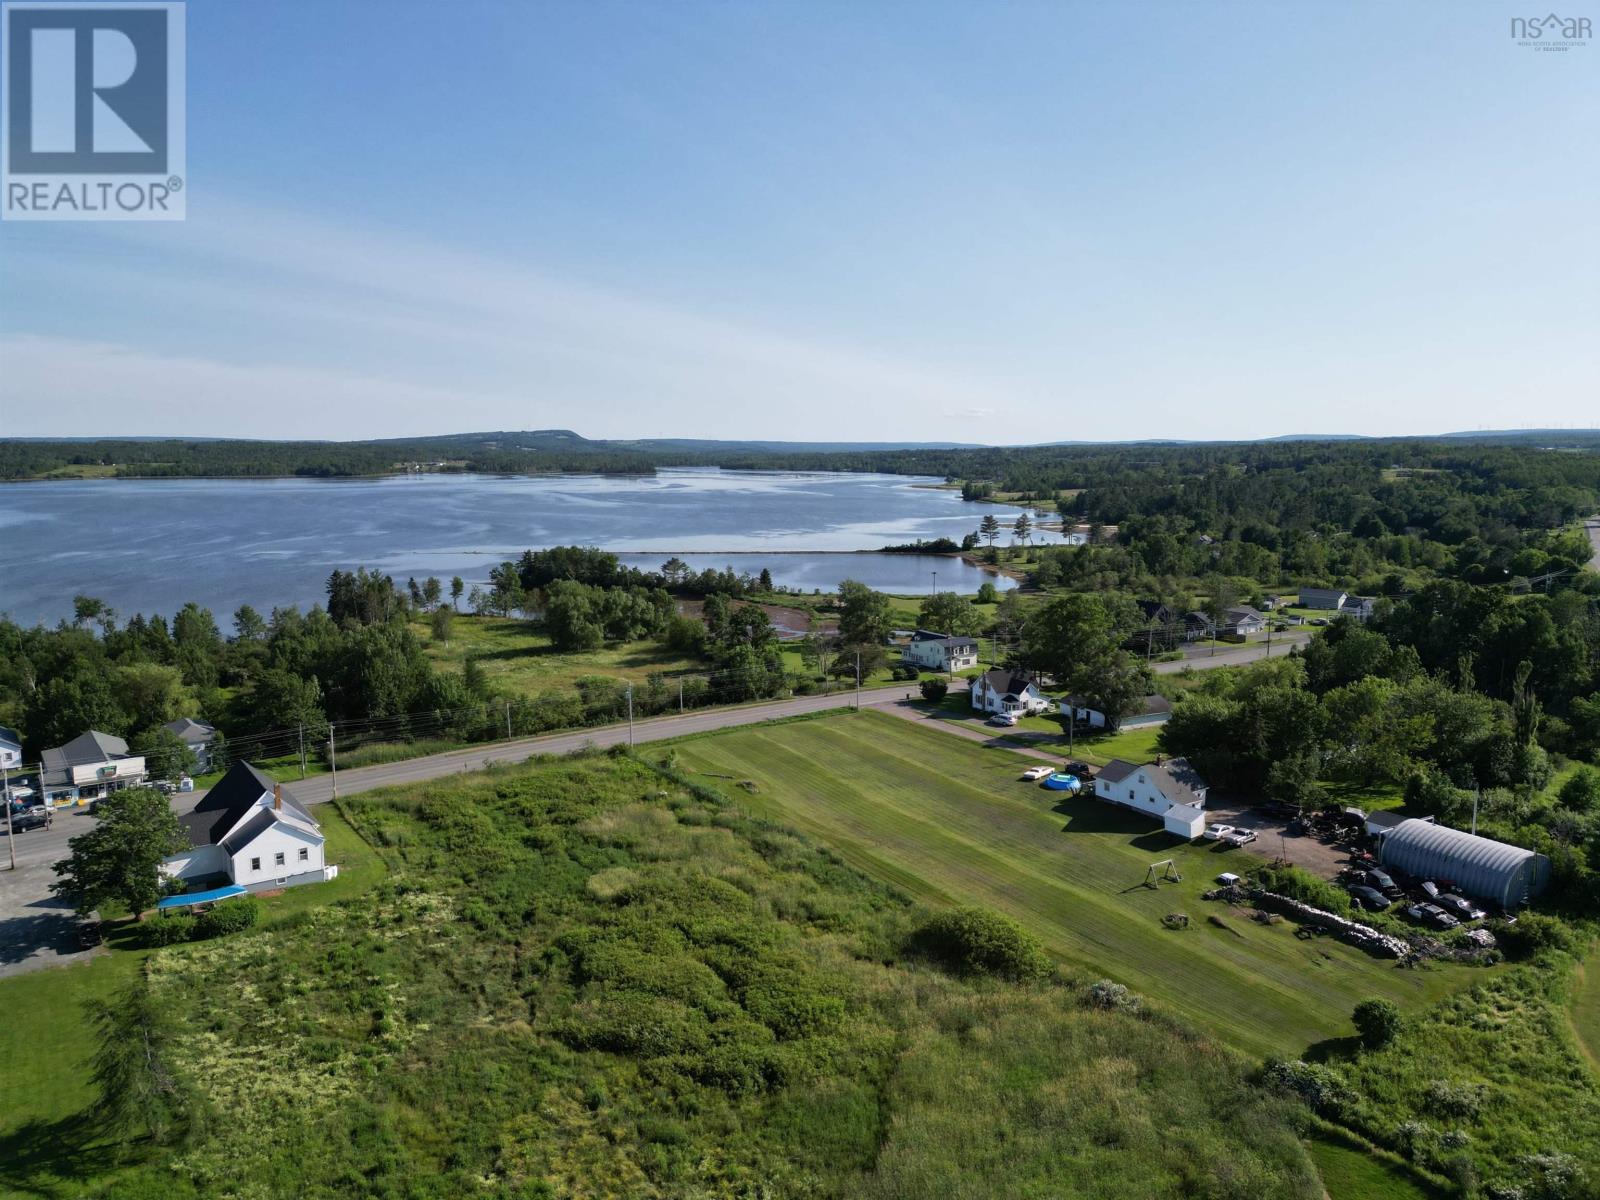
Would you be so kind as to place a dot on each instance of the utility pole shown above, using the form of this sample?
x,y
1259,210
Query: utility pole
x,y
936,583
5,792
302,751
1477,795
630,716
333,761
508,720
858,681
680,695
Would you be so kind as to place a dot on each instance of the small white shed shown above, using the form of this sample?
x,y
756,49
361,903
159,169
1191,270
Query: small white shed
x,y
1185,820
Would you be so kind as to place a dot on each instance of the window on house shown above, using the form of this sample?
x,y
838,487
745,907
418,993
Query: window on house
x,y
255,864
1130,793
277,859
305,855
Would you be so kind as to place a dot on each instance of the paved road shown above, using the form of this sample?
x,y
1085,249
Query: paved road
x,y
37,931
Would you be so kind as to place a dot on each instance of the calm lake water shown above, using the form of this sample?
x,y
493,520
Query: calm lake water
x,y
150,545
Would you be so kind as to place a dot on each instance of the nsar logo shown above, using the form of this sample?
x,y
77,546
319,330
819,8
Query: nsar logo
x,y
92,112
1551,32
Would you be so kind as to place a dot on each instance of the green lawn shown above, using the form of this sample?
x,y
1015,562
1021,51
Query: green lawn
x,y
947,821
1350,1174
1585,1008
1135,743
520,659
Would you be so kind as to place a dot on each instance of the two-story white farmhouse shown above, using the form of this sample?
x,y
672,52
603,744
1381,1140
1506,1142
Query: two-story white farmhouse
x,y
1168,788
940,651
250,831
1001,691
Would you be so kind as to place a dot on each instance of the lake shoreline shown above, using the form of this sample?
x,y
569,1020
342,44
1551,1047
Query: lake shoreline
x,y
273,541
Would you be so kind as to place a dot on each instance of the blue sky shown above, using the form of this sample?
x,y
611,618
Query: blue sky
x,y
876,220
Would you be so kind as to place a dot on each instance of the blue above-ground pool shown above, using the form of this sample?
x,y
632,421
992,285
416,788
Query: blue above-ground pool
x,y
1063,783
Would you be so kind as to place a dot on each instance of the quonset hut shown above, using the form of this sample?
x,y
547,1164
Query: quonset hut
x,y
1495,871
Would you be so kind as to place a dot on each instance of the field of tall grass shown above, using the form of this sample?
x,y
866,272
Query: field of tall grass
x,y
593,978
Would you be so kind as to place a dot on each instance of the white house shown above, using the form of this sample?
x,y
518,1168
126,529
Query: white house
x,y
1357,607
1242,619
198,736
91,765
251,832
940,652
10,748
1168,788
1001,691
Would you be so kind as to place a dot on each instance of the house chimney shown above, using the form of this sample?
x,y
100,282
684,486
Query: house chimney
x,y
277,797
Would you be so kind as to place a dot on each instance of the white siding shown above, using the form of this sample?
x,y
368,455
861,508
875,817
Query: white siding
x,y
1185,820
264,849
197,863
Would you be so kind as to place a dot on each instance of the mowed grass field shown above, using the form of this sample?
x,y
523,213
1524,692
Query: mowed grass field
x,y
948,821
1585,1008
519,658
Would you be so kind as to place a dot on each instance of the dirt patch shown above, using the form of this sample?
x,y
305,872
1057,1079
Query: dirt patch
x,y
1273,837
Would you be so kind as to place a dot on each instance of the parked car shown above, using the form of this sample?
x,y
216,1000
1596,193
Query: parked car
x,y
1461,907
1433,915
1077,767
166,787
1384,883
1034,774
1369,898
1240,837
1319,620
89,934
1430,889
1215,833
30,818
1003,719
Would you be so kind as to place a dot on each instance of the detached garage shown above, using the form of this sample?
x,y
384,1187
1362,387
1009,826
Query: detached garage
x,y
1185,820
1498,872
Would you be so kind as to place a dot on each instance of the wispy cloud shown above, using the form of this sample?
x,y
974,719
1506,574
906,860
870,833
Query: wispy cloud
x,y
349,314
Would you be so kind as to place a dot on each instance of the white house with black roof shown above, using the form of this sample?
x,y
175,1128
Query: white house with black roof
x,y
1002,691
1168,788
252,832
940,651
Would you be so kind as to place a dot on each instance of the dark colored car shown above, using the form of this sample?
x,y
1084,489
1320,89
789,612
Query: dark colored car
x,y
89,934
1460,907
1369,898
29,818
1433,915
1384,883
1079,768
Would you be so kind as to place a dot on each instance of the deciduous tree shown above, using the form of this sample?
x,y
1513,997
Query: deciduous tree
x,y
119,858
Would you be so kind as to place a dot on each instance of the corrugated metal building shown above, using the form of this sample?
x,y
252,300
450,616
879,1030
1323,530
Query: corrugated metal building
x,y
1495,871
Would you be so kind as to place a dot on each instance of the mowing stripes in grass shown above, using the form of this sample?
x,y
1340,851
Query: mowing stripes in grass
x,y
947,821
